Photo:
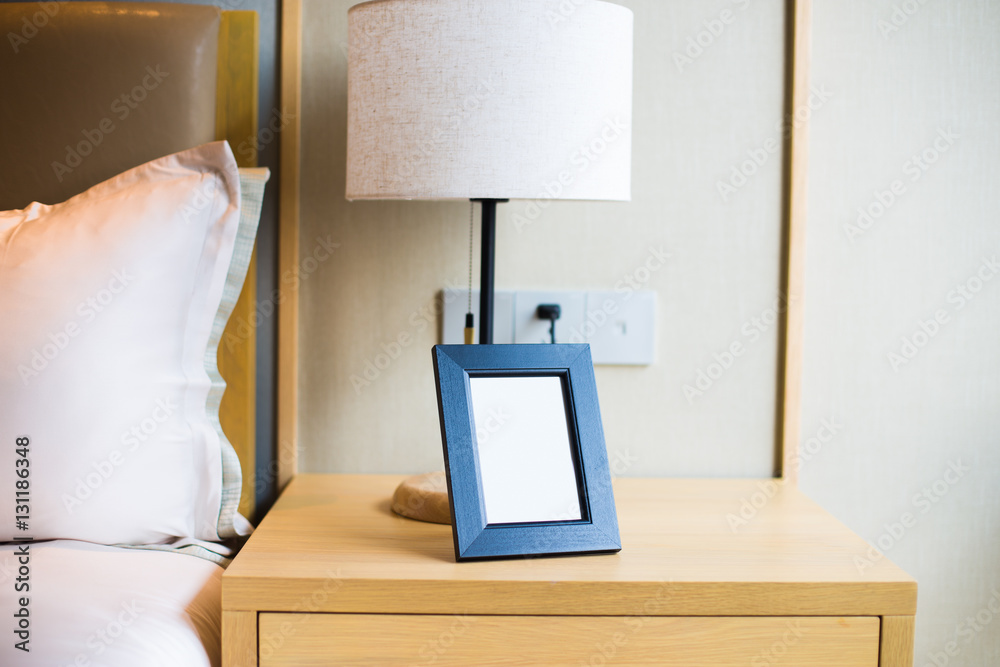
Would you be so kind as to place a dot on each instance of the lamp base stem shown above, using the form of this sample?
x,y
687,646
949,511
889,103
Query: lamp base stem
x,y
487,268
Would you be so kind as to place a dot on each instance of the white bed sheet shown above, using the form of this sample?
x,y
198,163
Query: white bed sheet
x,y
100,606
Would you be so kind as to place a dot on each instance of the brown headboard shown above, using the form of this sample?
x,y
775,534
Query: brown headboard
x,y
100,87
95,88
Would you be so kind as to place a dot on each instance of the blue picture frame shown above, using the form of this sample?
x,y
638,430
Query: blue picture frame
x,y
475,539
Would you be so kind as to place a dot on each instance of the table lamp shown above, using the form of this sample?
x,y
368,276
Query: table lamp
x,y
489,100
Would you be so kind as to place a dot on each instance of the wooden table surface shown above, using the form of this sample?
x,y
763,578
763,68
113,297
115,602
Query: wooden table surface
x,y
331,544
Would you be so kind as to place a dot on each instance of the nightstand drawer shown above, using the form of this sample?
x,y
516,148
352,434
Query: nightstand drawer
x,y
365,639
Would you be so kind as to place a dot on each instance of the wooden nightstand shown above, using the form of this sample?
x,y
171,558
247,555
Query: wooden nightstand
x,y
332,577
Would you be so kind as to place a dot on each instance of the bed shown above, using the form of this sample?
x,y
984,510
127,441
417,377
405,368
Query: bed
x,y
129,443
99,605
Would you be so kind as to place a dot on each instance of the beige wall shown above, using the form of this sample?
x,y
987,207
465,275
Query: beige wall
x,y
900,430
691,125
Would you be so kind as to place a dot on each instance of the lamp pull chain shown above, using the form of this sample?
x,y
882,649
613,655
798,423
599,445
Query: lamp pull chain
x,y
470,327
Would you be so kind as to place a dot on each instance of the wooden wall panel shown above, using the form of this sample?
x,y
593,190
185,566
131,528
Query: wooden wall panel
x,y
288,242
236,120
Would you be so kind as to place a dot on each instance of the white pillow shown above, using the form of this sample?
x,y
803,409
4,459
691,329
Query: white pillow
x,y
111,308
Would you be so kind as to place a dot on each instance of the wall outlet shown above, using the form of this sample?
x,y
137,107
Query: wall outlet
x,y
620,327
529,329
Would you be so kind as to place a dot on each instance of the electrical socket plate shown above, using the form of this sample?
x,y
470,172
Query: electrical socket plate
x,y
529,329
620,327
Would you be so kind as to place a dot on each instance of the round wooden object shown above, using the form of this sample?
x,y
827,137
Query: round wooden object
x,y
423,497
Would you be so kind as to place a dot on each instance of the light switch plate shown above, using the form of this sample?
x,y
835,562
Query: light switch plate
x,y
621,327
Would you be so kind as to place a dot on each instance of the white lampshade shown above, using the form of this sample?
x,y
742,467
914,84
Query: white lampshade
x,y
493,99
